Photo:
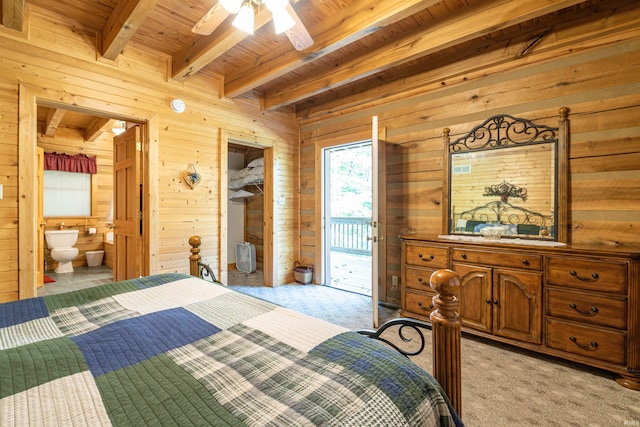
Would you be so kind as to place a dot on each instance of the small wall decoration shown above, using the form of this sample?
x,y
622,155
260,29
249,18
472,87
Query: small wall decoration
x,y
191,177
506,190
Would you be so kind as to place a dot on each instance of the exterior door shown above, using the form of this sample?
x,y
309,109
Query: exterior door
x,y
127,218
40,217
378,217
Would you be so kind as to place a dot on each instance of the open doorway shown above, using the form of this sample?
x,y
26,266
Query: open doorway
x,y
347,183
32,227
245,219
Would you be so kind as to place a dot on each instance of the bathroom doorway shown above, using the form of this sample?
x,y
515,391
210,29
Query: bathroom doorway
x,y
30,234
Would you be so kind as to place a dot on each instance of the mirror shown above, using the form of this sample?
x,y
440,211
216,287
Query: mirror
x,y
506,178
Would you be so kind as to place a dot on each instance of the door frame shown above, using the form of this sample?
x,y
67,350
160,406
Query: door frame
x,y
320,146
326,205
29,98
270,242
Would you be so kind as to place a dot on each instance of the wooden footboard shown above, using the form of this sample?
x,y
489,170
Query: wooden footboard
x,y
445,326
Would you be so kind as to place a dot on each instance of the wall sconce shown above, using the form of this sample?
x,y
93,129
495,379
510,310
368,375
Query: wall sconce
x,y
191,177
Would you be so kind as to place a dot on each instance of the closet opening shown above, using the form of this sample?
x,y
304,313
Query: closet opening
x,y
245,219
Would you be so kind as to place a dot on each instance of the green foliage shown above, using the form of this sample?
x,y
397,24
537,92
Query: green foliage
x,y
351,182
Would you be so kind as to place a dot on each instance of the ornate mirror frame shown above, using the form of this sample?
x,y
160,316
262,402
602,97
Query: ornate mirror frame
x,y
496,145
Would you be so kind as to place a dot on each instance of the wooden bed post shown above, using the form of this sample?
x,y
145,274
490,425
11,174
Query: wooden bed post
x,y
445,321
194,258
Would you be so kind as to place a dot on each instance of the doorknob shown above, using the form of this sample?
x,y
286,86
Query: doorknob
x,y
43,224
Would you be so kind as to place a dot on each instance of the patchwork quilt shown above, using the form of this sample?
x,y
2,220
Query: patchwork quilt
x,y
172,349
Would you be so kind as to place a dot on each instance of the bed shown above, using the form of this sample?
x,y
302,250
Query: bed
x,y
174,349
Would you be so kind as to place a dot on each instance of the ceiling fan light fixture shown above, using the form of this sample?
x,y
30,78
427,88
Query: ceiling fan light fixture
x,y
231,6
276,5
282,21
244,18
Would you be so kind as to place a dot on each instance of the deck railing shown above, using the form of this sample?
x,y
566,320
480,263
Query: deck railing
x,y
349,234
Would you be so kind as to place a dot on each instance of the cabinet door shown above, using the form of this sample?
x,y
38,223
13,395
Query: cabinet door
x,y
475,296
517,306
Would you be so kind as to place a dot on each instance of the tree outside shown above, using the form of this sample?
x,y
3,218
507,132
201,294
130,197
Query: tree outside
x,y
351,182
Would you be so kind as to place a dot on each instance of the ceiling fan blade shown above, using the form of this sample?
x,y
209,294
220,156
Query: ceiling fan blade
x,y
298,34
211,20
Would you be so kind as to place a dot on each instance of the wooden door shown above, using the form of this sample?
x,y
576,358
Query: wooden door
x,y
475,296
517,307
127,216
40,267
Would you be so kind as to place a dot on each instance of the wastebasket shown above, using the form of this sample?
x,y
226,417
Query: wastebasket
x,y
302,273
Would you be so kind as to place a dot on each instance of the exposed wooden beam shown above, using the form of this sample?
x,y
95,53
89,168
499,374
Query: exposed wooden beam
x,y
123,23
334,34
97,127
474,21
193,57
53,121
13,14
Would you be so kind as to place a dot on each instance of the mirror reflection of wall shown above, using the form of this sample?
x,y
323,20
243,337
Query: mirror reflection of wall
x,y
529,167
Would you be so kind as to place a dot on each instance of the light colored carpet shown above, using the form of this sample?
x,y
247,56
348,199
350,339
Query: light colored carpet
x,y
501,385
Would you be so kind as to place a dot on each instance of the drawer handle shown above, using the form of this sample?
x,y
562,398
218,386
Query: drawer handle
x,y
593,278
592,346
420,279
463,256
424,308
525,262
431,257
592,312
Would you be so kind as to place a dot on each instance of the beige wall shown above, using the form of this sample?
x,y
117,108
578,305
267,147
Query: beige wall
x,y
590,65
58,62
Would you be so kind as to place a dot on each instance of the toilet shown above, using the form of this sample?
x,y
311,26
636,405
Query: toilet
x,y
61,244
94,258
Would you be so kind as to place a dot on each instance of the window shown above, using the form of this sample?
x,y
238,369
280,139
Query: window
x,y
67,193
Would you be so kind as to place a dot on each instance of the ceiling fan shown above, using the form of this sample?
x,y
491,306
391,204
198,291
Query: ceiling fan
x,y
285,19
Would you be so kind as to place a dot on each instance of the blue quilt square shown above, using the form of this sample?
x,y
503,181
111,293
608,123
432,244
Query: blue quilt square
x,y
131,341
16,312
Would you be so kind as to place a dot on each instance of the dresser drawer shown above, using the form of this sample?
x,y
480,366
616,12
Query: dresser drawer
x,y
586,341
418,303
584,273
427,256
497,259
418,278
585,308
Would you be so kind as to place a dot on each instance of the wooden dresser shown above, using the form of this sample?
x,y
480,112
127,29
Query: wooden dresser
x,y
577,303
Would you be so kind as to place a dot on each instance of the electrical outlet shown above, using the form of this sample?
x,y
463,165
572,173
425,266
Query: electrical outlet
x,y
394,280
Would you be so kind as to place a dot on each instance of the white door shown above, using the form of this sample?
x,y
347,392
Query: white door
x,y
378,249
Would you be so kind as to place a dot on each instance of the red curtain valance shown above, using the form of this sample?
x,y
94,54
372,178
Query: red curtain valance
x,y
65,162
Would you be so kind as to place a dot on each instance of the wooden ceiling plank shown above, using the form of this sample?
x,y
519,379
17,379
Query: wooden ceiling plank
x,y
122,25
193,57
13,14
211,20
54,118
474,21
339,32
97,127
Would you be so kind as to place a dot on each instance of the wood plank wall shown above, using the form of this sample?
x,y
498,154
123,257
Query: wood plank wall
x,y
60,60
589,63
